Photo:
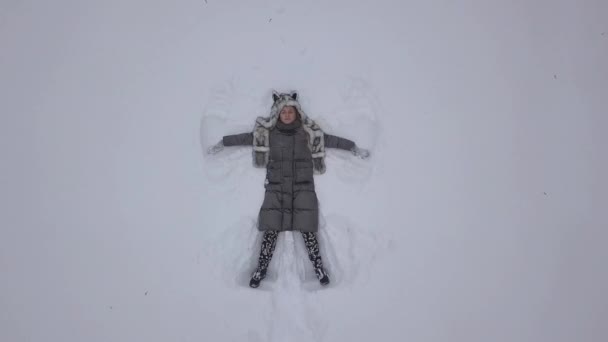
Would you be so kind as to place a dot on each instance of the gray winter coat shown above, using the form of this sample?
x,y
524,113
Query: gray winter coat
x,y
290,202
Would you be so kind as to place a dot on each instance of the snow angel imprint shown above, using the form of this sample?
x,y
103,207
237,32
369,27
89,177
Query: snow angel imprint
x,y
291,147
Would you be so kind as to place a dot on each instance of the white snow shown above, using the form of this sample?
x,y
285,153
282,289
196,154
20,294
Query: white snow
x,y
480,216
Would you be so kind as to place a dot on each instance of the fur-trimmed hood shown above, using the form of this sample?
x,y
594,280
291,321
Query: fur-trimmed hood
x,y
280,101
263,125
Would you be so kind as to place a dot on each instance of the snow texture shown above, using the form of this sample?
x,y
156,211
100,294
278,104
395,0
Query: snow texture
x,y
480,215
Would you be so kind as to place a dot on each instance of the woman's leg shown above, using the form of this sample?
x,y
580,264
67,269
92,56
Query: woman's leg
x,y
312,245
268,243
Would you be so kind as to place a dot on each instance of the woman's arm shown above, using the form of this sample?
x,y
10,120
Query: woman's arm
x,y
243,139
332,141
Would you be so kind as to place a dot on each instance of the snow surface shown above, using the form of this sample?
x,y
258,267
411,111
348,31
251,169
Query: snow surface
x,y
480,216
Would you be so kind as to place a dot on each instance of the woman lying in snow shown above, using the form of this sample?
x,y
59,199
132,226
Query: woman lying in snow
x,y
291,147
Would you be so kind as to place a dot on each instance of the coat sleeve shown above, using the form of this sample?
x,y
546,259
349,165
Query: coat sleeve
x,y
238,139
332,141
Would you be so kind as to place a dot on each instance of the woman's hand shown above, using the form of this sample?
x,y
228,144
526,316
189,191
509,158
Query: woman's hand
x,y
216,148
360,152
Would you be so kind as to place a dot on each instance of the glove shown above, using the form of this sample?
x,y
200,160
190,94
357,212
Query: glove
x,y
360,152
216,148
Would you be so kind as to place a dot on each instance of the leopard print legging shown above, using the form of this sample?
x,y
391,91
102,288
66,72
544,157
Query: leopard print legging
x,y
270,241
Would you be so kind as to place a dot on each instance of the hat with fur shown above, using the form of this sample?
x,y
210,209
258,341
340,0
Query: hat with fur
x,y
263,125
281,100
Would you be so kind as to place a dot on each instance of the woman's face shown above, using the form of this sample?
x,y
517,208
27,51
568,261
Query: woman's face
x,y
288,115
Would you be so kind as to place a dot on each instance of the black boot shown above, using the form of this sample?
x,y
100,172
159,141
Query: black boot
x,y
322,276
257,277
